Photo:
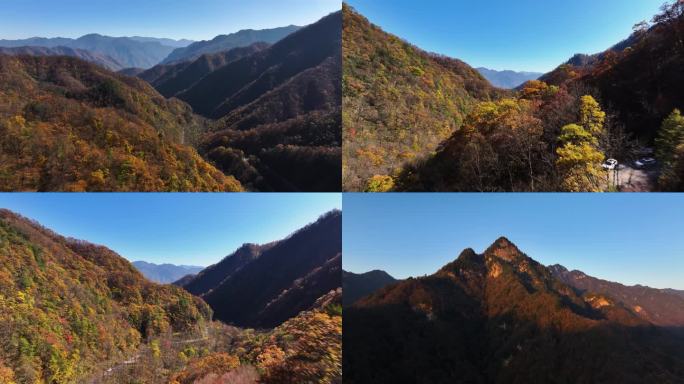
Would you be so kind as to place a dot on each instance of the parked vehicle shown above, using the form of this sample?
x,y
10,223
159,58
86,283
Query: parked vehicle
x,y
645,162
610,164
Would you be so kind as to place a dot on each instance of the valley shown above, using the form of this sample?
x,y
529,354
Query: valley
x,y
73,311
255,110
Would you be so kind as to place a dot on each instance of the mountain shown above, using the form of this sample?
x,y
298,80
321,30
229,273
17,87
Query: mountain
x,y
640,77
126,51
355,286
399,101
221,43
172,79
501,317
165,273
263,286
163,41
507,79
91,129
97,58
661,307
276,112
133,72
69,308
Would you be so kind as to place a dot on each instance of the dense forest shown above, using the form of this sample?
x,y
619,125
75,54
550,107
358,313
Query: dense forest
x,y
72,311
70,307
399,102
263,107
69,125
551,134
501,317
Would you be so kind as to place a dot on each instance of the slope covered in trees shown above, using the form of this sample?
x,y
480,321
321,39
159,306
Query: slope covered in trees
x,y
262,286
399,102
641,77
68,307
501,317
357,285
70,125
172,79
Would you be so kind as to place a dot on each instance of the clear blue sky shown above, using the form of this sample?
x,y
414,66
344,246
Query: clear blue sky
x,y
629,238
524,35
178,228
189,19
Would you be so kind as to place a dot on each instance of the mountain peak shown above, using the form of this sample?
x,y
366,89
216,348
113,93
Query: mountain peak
x,y
504,249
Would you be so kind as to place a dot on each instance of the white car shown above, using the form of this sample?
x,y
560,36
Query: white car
x,y
609,164
644,162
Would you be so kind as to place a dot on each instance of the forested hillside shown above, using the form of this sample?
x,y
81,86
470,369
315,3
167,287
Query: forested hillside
x,y
69,125
70,308
399,102
278,110
501,317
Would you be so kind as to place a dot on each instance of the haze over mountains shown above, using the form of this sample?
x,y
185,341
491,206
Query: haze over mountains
x,y
507,79
129,52
165,273
222,43
501,317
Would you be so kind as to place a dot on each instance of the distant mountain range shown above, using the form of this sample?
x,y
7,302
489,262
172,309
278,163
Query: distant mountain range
x,y
222,43
507,79
165,273
129,52
93,57
264,285
501,317
356,286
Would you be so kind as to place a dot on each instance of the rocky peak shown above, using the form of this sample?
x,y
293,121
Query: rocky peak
x,y
504,249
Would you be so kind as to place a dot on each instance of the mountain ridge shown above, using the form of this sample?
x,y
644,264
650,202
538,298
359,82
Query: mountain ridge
x,y
500,317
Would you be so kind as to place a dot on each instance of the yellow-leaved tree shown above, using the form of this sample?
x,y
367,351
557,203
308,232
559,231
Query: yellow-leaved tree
x,y
579,157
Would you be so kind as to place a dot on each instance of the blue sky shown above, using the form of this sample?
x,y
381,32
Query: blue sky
x,y
178,228
524,35
190,19
629,238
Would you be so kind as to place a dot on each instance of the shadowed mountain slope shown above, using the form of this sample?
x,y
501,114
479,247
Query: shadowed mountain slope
x,y
222,43
358,285
262,286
